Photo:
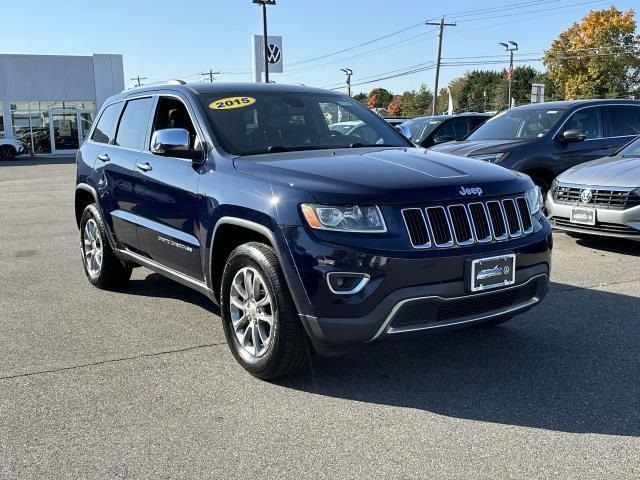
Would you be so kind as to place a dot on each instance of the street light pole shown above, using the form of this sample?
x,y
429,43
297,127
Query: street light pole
x,y
348,72
511,47
265,40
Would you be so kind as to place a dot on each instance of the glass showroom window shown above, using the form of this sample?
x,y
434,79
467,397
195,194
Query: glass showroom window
x,y
31,123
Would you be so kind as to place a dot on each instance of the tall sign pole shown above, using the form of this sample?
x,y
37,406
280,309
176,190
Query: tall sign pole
x,y
441,24
265,37
510,47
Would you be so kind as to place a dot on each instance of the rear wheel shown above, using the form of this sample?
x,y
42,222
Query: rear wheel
x,y
7,152
102,267
260,321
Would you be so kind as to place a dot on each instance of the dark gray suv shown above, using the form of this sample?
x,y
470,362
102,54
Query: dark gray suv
x,y
545,139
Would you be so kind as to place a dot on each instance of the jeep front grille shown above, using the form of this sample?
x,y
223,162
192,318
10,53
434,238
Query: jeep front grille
x,y
466,224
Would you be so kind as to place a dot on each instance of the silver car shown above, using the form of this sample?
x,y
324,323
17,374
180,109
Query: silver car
x,y
601,197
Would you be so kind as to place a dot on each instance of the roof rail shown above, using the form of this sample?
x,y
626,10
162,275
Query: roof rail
x,y
176,82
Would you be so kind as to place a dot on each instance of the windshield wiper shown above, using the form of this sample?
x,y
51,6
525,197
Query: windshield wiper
x,y
364,145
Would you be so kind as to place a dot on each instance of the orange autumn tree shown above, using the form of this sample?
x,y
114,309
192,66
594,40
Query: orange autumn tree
x,y
598,57
395,107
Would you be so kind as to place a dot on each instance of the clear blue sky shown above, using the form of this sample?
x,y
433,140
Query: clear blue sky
x,y
168,39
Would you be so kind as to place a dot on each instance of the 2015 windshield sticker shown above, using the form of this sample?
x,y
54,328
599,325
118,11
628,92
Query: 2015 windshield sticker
x,y
231,102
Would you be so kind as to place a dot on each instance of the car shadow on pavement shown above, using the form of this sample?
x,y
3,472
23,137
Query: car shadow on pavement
x,y
572,364
155,285
612,245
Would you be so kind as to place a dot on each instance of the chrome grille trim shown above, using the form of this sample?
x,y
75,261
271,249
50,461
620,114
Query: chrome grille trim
x,y
446,226
486,217
512,232
439,224
504,221
426,225
453,227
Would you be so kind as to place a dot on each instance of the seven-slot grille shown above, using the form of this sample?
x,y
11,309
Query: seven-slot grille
x,y
601,198
465,224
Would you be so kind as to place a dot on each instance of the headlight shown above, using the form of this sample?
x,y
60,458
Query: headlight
x,y
489,157
534,200
345,219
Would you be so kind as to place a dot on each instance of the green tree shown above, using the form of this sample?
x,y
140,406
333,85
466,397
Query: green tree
x,y
597,57
379,97
362,97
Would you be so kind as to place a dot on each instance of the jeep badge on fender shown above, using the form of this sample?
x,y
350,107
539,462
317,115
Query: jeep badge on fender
x,y
310,233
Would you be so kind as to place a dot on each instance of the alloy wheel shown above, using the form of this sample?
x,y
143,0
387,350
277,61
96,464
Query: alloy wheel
x,y
92,248
252,311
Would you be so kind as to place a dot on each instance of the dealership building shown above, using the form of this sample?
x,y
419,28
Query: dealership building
x,y
49,101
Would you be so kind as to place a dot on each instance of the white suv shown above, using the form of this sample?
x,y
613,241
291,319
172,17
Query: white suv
x,y
10,148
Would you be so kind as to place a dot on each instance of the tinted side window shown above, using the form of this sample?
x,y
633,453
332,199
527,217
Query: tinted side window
x,y
172,113
624,120
133,123
588,120
106,127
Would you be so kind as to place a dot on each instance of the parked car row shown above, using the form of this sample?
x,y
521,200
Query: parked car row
x,y
573,151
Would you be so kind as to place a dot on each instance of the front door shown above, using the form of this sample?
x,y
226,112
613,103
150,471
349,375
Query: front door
x,y
169,206
68,129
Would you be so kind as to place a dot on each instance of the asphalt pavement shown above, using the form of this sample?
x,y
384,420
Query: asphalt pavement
x,y
140,383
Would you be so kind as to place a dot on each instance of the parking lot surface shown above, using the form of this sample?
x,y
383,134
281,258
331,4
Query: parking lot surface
x,y
140,383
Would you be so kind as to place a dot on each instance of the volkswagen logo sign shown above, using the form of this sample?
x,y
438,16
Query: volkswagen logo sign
x,y
586,195
274,53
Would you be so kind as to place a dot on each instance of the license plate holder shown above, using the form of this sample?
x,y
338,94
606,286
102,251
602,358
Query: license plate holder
x,y
583,216
493,272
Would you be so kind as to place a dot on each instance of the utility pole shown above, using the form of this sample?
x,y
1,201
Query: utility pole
x,y
210,74
441,24
510,47
138,79
348,72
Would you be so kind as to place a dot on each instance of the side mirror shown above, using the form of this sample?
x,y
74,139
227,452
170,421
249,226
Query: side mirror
x,y
573,135
404,130
170,141
443,139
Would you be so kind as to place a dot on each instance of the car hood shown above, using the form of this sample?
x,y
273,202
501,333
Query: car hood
x,y
465,148
388,175
606,172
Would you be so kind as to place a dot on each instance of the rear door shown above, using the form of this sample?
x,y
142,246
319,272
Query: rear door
x,y
115,171
168,208
590,120
623,123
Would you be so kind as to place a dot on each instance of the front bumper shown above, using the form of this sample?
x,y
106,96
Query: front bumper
x,y
413,291
609,222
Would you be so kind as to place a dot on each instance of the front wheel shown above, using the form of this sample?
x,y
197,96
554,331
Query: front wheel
x,y
260,321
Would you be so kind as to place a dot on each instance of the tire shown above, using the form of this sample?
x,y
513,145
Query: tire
x,y
267,349
7,153
105,270
496,321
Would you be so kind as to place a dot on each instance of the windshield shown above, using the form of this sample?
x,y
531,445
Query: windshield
x,y
421,127
518,123
269,122
631,150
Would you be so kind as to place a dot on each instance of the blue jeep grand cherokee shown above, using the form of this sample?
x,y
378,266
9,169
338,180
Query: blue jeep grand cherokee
x,y
310,240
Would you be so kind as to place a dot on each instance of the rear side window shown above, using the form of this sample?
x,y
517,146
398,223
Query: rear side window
x,y
133,123
106,128
625,120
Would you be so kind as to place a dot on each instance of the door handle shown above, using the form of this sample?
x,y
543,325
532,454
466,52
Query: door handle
x,y
605,147
145,167
103,157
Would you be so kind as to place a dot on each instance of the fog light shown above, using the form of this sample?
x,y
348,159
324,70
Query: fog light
x,y
346,283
